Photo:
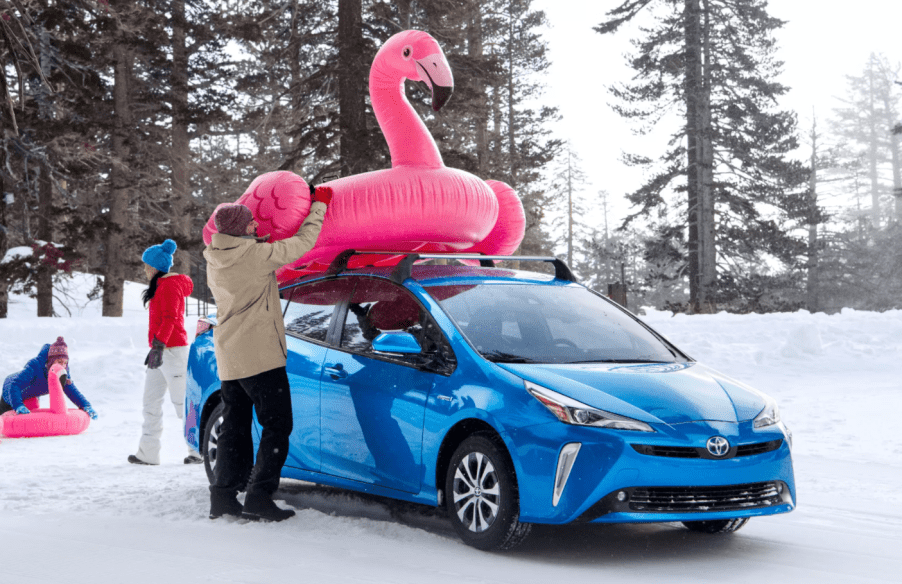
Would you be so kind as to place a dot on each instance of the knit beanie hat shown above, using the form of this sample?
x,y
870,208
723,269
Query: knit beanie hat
x,y
232,219
58,350
160,256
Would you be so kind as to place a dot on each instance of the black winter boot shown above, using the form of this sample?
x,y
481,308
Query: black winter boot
x,y
262,508
224,505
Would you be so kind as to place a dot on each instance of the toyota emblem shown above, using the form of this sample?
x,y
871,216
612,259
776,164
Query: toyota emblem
x,y
718,446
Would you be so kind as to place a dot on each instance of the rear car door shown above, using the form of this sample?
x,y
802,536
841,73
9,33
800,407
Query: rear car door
x,y
309,310
373,404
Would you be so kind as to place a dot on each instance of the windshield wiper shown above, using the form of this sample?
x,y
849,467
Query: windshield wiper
x,y
496,357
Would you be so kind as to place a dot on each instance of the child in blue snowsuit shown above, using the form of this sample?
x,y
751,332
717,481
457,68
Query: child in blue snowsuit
x,y
31,382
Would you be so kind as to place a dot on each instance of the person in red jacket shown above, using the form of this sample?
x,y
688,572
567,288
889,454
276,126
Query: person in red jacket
x,y
167,361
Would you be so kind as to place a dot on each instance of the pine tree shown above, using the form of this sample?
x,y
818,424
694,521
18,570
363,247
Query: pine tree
x,y
713,61
865,121
49,115
568,184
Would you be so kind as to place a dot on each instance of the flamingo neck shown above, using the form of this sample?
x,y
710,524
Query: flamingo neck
x,y
409,142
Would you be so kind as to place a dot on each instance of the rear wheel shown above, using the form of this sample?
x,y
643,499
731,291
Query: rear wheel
x,y
716,526
482,496
211,440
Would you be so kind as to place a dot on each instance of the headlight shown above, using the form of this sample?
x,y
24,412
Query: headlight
x,y
769,416
577,413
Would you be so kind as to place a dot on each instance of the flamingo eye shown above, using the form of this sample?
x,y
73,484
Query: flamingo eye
x,y
407,50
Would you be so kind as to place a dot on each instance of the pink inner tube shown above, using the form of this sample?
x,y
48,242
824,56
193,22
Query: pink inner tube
x,y
53,421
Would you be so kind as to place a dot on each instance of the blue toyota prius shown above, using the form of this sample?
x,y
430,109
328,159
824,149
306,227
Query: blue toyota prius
x,y
511,398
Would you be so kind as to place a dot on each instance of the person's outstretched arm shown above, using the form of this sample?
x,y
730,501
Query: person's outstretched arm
x,y
283,252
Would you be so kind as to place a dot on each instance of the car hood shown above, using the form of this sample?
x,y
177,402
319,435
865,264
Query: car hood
x,y
672,393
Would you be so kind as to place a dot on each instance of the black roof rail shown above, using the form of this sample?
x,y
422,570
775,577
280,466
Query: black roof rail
x,y
403,268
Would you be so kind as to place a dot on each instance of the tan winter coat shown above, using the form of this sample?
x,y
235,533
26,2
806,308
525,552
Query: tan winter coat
x,y
249,337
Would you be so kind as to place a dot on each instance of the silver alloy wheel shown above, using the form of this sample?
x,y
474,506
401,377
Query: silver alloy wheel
x,y
477,493
212,442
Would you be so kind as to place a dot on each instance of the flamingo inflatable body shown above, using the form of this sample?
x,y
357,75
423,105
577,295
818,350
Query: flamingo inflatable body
x,y
53,421
417,205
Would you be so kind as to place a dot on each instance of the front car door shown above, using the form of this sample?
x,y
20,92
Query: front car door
x,y
373,404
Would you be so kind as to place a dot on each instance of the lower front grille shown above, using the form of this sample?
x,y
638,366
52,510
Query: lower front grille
x,y
694,499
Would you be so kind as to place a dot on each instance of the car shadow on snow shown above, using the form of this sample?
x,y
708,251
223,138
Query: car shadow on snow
x,y
583,544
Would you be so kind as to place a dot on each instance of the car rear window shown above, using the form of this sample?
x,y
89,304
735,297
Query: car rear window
x,y
308,308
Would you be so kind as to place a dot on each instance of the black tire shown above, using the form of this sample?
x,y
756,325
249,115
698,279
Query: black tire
x,y
716,525
482,497
211,439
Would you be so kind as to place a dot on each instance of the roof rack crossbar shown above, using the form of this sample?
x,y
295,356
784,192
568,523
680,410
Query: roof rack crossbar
x,y
402,269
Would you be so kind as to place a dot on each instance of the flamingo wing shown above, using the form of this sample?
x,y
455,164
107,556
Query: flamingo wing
x,y
279,202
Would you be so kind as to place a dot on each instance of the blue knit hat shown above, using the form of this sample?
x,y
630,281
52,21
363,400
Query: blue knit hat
x,y
160,256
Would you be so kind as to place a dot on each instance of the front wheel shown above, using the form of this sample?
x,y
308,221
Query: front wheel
x,y
482,496
211,440
716,526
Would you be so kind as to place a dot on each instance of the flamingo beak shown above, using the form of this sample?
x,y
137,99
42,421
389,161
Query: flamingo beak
x,y
436,72
440,96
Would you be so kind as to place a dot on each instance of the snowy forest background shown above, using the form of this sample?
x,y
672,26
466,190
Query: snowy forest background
x,y
125,122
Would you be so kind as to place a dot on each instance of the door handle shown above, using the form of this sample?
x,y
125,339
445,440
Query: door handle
x,y
337,371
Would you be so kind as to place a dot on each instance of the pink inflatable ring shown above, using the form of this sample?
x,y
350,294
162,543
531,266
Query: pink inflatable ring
x,y
53,421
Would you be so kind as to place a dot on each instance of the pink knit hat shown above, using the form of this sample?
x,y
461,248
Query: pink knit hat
x,y
58,350
232,219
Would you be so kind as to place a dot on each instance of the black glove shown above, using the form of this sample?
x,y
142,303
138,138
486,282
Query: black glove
x,y
155,356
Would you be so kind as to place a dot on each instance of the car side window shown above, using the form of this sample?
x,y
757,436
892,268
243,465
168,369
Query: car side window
x,y
379,306
308,308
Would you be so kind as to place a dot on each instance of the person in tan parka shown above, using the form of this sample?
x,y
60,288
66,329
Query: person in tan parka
x,y
250,346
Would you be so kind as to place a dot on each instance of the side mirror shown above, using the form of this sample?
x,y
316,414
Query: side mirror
x,y
397,342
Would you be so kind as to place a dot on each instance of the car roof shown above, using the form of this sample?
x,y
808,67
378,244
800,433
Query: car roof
x,y
437,275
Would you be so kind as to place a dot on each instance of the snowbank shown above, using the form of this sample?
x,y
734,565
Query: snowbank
x,y
106,521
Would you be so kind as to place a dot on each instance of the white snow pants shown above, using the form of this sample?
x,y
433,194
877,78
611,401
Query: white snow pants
x,y
172,375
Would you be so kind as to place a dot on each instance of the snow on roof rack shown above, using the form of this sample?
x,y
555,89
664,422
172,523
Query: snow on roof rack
x,y
402,270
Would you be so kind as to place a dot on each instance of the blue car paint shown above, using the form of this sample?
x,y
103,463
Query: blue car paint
x,y
304,366
326,448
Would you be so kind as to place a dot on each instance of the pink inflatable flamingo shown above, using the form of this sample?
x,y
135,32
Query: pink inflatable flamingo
x,y
417,205
53,421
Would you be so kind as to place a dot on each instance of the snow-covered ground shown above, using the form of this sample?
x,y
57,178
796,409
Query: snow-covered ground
x,y
73,510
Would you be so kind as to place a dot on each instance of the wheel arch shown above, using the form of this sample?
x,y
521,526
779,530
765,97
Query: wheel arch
x,y
455,437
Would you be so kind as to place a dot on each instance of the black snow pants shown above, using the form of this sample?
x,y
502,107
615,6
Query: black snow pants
x,y
270,394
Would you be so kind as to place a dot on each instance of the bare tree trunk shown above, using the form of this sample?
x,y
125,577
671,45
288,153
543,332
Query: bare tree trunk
x,y
4,242
181,147
351,88
45,236
894,139
897,171
706,228
692,90
511,127
475,51
404,13
114,273
873,144
569,208
812,285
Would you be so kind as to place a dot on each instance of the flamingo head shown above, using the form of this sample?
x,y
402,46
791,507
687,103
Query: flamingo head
x,y
58,370
415,55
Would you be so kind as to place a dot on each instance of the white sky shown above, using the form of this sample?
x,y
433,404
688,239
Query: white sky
x,y
823,41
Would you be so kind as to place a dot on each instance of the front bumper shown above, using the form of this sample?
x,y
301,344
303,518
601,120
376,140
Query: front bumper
x,y
672,488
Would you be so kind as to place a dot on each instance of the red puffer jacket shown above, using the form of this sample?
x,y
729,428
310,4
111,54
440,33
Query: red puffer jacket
x,y
167,311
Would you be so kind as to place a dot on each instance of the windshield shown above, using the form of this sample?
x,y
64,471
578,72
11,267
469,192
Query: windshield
x,y
513,323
